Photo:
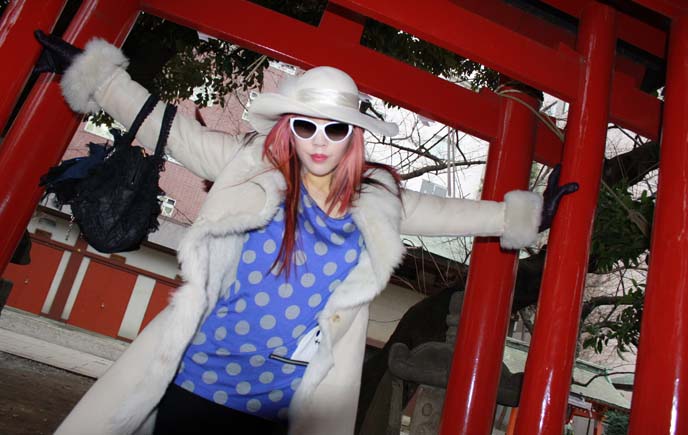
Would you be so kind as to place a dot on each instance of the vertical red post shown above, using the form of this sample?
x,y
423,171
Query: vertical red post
x,y
18,22
547,380
44,126
472,389
660,396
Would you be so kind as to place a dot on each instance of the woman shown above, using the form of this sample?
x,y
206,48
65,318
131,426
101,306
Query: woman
x,y
296,238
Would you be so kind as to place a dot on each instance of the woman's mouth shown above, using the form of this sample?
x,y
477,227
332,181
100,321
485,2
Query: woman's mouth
x,y
318,158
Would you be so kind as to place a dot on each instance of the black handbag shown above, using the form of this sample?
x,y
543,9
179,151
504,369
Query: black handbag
x,y
114,192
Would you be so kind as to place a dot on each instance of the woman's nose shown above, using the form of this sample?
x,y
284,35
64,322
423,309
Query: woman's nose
x,y
320,139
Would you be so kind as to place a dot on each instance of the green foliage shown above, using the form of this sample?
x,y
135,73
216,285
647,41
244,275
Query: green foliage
x,y
616,422
397,44
622,326
209,71
617,235
421,54
174,63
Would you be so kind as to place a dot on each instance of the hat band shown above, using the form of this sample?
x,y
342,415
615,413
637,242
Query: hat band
x,y
328,96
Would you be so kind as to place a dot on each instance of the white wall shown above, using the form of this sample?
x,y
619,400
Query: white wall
x,y
388,308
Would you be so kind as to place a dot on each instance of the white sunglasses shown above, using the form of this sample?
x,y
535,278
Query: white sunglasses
x,y
335,131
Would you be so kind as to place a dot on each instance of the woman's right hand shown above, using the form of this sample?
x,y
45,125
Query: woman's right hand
x,y
57,54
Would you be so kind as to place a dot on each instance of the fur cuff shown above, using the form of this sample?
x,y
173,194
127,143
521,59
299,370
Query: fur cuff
x,y
521,219
88,72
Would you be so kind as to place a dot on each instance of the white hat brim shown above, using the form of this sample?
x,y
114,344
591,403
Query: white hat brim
x,y
267,108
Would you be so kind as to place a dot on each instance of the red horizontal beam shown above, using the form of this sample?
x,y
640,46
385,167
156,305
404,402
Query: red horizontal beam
x,y
336,42
523,22
670,8
634,109
505,50
293,41
451,26
631,30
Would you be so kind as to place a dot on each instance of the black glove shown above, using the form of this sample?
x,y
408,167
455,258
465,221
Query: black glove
x,y
57,54
552,196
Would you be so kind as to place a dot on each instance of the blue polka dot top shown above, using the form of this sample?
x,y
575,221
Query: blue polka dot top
x,y
251,352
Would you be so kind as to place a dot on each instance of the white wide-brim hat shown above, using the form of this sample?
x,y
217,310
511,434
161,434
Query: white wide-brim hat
x,y
321,92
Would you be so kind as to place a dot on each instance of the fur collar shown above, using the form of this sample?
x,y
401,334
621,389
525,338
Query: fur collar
x,y
209,254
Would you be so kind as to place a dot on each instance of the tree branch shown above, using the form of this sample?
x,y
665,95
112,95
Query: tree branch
x,y
418,152
633,165
599,301
598,376
438,167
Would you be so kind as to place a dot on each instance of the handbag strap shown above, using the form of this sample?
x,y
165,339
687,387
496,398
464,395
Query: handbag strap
x,y
146,109
167,118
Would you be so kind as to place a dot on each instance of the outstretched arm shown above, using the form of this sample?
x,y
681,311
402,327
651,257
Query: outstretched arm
x,y
95,79
517,220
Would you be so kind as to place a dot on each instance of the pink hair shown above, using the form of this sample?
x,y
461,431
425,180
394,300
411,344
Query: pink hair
x,y
344,187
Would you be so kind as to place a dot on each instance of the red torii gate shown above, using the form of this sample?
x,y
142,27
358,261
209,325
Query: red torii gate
x,y
581,68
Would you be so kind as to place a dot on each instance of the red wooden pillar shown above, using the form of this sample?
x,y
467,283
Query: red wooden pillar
x,y
550,361
17,49
660,396
472,389
45,124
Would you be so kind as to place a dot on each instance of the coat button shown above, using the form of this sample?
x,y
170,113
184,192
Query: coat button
x,y
336,318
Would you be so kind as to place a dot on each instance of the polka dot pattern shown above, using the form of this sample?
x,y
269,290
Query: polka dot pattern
x,y
239,357
249,256
275,342
209,377
314,300
269,246
292,312
222,312
188,386
268,321
247,348
262,299
220,333
243,388
307,280
242,328
285,290
200,358
255,277
276,395
220,397
253,405
199,338
233,369
240,306
257,360
320,248
330,268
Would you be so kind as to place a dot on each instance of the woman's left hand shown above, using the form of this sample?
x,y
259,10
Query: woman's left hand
x,y
552,196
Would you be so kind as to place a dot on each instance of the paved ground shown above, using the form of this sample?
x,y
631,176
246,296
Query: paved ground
x,y
34,397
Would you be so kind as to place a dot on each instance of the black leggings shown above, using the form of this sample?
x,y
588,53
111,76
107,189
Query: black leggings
x,y
182,412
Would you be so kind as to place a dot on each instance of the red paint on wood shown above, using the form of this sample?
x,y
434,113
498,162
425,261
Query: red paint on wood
x,y
158,301
660,395
472,389
32,281
102,300
547,381
18,47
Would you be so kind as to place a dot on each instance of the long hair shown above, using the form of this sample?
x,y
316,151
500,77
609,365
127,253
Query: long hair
x,y
345,185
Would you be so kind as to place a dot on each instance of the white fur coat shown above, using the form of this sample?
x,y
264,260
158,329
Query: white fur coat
x,y
245,196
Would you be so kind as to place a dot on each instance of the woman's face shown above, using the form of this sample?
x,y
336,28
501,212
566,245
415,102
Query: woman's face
x,y
320,143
